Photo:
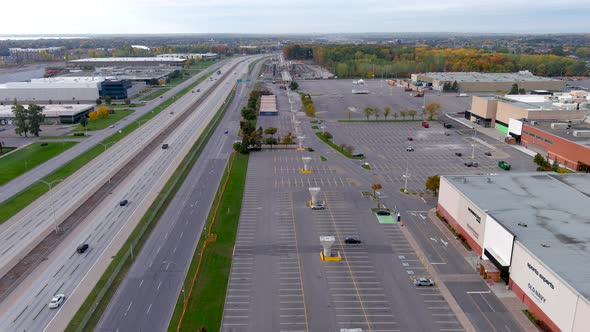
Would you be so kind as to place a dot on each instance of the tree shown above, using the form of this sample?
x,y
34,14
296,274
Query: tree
x,y
521,91
446,87
376,112
375,187
327,135
403,114
368,112
35,117
108,100
248,113
270,131
514,89
310,110
394,115
455,86
432,109
288,139
98,101
127,101
412,113
555,165
93,116
84,121
20,120
102,111
433,184
386,111
294,85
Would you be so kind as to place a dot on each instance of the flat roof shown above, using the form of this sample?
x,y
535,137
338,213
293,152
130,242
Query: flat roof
x,y
50,85
487,77
268,103
50,111
129,59
554,207
534,102
545,125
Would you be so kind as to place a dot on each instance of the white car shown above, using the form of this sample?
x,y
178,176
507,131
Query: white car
x,y
409,148
318,206
57,301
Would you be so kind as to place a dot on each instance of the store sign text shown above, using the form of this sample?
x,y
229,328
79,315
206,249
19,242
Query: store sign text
x,y
536,293
532,268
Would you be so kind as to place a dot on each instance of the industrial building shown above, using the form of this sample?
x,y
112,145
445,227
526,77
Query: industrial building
x,y
40,92
53,113
567,142
268,105
489,82
196,56
496,111
533,229
127,62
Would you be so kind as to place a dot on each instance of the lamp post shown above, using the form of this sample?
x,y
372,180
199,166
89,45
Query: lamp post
x,y
50,185
105,145
406,176
472,151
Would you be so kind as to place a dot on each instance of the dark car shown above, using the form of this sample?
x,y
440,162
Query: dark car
x,y
410,139
408,89
352,240
458,154
123,202
489,154
164,146
419,95
383,213
198,90
475,164
468,164
225,132
82,248
358,155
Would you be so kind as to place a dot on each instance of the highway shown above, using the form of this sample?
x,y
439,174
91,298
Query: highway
x,y
25,230
65,273
22,182
163,263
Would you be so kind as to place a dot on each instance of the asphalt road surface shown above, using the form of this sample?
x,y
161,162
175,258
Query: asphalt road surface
x,y
18,184
65,273
146,299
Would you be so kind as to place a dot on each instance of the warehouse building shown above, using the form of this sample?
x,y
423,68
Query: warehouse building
x,y
47,92
107,87
534,229
489,82
53,113
126,62
567,142
196,56
496,111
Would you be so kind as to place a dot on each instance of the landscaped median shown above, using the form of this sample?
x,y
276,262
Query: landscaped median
x,y
208,273
328,141
14,204
91,310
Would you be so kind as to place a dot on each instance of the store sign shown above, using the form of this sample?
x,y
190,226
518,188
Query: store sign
x,y
540,275
536,293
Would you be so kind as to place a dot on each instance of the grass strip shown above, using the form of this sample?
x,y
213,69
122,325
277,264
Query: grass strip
x,y
366,166
211,264
155,94
149,221
336,147
408,120
61,137
322,158
103,123
14,204
30,156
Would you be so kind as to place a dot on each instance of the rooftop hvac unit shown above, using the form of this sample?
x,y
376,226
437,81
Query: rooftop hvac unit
x,y
581,133
533,122
559,125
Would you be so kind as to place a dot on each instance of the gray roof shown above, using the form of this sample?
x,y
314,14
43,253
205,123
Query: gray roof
x,y
555,208
486,77
545,125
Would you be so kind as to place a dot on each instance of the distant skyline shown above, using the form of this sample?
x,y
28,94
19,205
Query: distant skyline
x,y
304,16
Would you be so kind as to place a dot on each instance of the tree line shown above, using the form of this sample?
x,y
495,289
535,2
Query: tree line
x,y
28,120
401,61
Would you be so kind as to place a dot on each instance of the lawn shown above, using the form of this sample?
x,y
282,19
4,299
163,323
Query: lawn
x,y
28,157
61,137
211,264
155,94
105,122
336,147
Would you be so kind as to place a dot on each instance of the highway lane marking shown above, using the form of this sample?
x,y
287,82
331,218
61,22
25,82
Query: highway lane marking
x,y
140,283
160,284
478,292
149,308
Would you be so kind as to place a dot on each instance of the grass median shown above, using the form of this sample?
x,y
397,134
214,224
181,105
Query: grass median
x,y
103,123
336,147
28,157
14,204
208,273
149,220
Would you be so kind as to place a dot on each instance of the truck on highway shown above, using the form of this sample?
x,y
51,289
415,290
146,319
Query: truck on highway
x,y
219,72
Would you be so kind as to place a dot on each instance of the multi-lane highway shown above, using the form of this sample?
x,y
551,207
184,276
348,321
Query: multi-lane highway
x,y
163,263
20,183
65,272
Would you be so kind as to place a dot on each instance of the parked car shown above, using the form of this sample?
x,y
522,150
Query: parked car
x,y
318,206
198,90
425,124
468,164
419,95
423,282
225,132
383,213
409,148
504,165
489,154
410,139
408,89
112,126
358,155
475,164
447,134
123,202
57,301
164,146
82,248
458,154
352,240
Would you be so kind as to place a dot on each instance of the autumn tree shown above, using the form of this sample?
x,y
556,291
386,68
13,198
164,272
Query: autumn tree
x,y
433,184
412,113
376,113
367,111
93,116
432,109
375,187
102,111
403,114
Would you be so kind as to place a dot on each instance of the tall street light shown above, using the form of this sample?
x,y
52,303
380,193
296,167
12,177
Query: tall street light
x,y
50,185
106,145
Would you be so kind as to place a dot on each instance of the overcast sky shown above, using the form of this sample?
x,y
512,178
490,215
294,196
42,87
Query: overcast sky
x,y
301,16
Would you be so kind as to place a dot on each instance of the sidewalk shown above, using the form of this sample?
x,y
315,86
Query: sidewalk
x,y
506,296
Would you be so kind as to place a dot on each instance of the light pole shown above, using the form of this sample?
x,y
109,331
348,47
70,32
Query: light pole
x,y
406,176
50,185
472,151
105,145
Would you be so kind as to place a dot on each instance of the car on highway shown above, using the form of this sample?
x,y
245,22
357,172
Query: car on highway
x,y
57,301
123,202
423,282
504,165
425,124
352,240
409,148
111,126
383,213
164,146
318,206
225,132
458,154
82,248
